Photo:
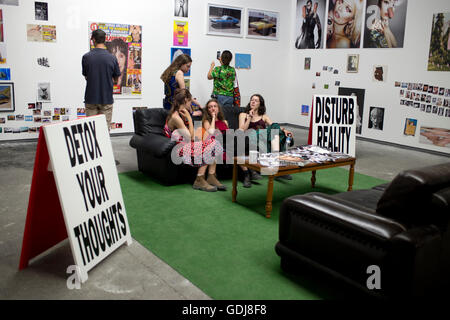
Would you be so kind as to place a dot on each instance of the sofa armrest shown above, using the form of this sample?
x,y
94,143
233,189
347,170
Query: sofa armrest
x,y
157,145
338,212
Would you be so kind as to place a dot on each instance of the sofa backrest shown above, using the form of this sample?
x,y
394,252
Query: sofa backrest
x,y
150,120
418,196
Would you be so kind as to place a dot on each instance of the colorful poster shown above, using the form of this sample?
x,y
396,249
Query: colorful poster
x,y
5,74
180,33
439,56
385,23
310,25
175,52
2,38
243,61
344,24
41,33
125,43
410,127
435,136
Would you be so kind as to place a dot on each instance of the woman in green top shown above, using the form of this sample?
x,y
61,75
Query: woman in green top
x,y
224,77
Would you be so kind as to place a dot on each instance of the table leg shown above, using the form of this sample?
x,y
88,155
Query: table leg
x,y
234,191
269,196
350,176
313,178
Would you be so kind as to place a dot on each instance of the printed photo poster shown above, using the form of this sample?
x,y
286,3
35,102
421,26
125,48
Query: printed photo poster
x,y
379,73
175,52
2,37
43,92
359,93
345,23
2,52
41,33
262,24
376,118
310,24
410,127
224,20
385,23
307,65
180,33
10,2
41,10
439,55
181,8
125,43
5,74
435,136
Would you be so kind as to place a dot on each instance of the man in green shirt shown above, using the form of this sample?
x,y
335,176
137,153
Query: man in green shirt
x,y
224,77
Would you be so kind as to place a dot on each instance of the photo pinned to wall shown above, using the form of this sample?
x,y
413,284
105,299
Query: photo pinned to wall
x,y
243,61
410,127
307,65
41,11
2,52
352,63
81,113
439,54
435,136
7,97
125,43
175,52
359,93
43,92
310,24
385,23
344,24
262,24
5,74
180,33
376,118
224,20
2,36
41,33
10,2
181,8
305,110
379,73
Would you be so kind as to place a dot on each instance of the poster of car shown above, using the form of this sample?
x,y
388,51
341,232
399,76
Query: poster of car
x,y
124,42
224,20
262,24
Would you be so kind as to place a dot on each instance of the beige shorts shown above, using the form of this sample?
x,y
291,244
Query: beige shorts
x,y
106,109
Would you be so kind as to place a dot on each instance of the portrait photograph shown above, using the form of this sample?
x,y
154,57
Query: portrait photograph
x,y
7,96
344,23
224,20
262,24
352,63
181,8
43,92
310,24
376,118
385,23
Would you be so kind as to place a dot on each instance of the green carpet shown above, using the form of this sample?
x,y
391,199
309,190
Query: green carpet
x,y
226,249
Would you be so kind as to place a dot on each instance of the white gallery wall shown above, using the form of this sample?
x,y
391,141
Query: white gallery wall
x,y
277,70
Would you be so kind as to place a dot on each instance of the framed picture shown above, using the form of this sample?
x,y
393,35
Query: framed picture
x,y
224,20
7,96
353,63
262,24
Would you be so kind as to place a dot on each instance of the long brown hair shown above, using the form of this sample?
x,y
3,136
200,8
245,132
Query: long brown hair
x,y
179,98
207,116
175,66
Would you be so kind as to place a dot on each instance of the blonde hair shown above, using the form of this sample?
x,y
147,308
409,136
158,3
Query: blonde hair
x,y
353,30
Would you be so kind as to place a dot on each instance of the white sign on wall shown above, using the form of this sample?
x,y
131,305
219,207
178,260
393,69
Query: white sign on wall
x,y
334,123
91,199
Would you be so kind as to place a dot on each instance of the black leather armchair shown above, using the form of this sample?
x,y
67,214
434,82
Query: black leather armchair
x,y
154,148
401,227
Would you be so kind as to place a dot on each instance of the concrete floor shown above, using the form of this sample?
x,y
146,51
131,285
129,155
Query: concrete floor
x,y
131,272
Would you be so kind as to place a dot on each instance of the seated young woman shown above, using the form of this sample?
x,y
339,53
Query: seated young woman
x,y
255,117
201,154
214,119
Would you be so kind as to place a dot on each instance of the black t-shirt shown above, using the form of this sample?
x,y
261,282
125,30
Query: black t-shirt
x,y
99,67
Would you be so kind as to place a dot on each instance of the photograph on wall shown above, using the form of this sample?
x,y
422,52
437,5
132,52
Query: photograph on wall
x,y
307,65
410,127
41,33
181,8
5,74
376,118
243,61
180,33
359,93
262,24
175,52
125,43
43,92
41,11
385,23
439,54
352,63
224,20
379,73
7,97
345,23
2,37
305,109
10,2
435,136
310,24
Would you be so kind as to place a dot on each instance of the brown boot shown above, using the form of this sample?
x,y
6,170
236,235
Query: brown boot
x,y
201,184
212,180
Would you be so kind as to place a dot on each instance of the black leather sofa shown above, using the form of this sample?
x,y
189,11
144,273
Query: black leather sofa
x,y
154,148
401,227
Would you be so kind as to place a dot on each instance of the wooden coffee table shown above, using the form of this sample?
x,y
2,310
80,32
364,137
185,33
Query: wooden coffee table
x,y
313,167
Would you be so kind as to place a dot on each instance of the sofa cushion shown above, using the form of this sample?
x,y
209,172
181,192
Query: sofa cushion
x,y
150,120
409,196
